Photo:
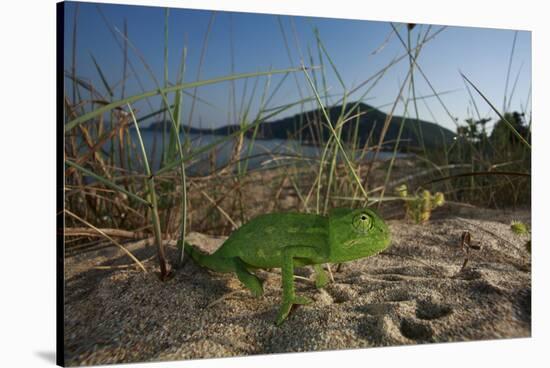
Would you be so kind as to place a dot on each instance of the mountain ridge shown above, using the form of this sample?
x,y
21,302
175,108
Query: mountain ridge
x,y
368,122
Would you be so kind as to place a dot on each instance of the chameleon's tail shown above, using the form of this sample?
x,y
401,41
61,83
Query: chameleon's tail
x,y
210,261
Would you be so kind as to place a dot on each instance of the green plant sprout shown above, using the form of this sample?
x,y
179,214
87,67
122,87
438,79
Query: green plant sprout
x,y
520,228
418,208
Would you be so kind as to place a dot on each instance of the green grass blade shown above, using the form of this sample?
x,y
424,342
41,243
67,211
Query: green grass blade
x,y
92,114
516,133
336,138
201,62
155,218
102,76
508,71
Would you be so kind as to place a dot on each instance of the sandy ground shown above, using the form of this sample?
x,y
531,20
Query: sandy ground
x,y
413,293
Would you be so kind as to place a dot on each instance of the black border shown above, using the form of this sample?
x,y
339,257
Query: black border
x,y
60,270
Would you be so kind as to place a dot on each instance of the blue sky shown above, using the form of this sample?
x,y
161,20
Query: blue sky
x,y
358,48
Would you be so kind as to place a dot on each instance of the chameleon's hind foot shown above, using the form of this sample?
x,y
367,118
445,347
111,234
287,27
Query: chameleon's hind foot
x,y
251,281
321,278
255,288
285,308
253,284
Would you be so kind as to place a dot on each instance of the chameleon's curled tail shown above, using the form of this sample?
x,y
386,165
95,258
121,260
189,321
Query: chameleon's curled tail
x,y
210,261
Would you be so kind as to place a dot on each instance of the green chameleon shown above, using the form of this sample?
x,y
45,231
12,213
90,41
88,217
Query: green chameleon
x,y
289,240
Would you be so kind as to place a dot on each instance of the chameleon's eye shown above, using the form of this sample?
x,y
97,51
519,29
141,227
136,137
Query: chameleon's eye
x,y
362,223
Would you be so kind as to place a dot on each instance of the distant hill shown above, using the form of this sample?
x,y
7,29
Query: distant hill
x,y
308,128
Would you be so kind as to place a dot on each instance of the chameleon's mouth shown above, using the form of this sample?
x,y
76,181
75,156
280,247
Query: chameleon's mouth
x,y
350,243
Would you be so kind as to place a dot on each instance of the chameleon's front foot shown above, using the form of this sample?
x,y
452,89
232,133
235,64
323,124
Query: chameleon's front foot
x,y
287,306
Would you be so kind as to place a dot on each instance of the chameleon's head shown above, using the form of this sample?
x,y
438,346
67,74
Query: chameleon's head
x,y
356,233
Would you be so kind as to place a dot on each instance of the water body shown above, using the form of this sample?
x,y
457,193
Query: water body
x,y
254,154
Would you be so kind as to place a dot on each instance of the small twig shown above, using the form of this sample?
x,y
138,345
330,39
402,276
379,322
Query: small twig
x,y
466,245
330,273
413,259
517,263
487,231
296,277
116,267
479,173
223,297
465,240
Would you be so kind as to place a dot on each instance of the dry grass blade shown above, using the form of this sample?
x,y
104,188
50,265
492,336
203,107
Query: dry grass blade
x,y
107,182
137,261
222,211
119,233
